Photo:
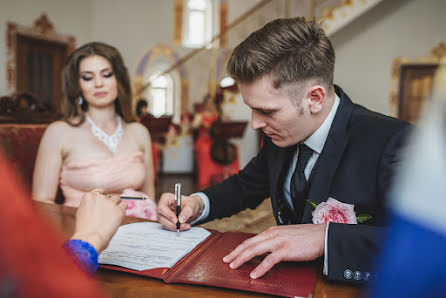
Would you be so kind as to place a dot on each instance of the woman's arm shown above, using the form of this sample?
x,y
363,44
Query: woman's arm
x,y
97,220
48,163
145,141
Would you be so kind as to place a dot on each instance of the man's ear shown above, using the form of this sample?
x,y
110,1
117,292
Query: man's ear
x,y
316,95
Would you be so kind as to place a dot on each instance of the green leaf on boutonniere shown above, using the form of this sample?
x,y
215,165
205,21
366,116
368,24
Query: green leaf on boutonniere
x,y
363,217
312,204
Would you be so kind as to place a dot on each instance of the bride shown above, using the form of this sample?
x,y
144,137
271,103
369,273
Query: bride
x,y
97,145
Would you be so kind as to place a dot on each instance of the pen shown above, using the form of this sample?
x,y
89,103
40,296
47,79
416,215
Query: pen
x,y
131,198
178,199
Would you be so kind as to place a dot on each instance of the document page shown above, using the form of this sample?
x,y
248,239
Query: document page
x,y
146,245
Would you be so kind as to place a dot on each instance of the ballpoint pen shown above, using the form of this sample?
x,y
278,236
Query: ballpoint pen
x,y
132,198
178,199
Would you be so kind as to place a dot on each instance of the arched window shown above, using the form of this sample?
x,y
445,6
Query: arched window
x,y
198,23
161,95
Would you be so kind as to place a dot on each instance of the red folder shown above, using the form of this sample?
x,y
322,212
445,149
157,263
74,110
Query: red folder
x,y
204,266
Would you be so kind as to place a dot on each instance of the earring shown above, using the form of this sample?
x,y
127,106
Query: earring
x,y
81,100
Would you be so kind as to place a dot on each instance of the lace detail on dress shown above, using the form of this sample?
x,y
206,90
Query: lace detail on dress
x,y
84,254
112,141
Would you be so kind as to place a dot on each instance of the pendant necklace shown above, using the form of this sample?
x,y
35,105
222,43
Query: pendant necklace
x,y
112,141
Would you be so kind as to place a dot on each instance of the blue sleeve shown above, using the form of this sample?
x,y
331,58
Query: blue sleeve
x,y
84,253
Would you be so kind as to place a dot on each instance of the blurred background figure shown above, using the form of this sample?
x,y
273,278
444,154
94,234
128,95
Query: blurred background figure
x,y
141,109
206,115
414,260
98,144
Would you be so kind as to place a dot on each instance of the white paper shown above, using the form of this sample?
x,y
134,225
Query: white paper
x,y
146,245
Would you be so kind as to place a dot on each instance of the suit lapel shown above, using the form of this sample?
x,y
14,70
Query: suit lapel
x,y
325,168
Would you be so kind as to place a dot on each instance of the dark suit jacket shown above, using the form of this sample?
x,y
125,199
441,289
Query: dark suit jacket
x,y
356,166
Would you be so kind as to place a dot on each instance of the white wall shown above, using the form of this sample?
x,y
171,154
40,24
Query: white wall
x,y
68,17
133,26
366,48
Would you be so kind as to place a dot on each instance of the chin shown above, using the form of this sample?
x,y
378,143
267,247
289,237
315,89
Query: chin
x,y
281,143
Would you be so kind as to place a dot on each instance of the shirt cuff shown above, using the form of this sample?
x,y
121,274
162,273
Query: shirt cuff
x,y
207,206
84,254
326,251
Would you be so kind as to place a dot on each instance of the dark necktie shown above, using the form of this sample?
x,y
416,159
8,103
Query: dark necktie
x,y
299,185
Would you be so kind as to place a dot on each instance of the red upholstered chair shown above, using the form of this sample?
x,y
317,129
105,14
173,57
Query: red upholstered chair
x,y
20,143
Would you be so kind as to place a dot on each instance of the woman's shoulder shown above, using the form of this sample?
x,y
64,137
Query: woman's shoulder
x,y
138,129
57,127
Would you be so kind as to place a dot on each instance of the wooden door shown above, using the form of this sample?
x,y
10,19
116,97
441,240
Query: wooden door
x,y
39,68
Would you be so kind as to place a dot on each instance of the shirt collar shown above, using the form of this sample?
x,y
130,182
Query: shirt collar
x,y
317,140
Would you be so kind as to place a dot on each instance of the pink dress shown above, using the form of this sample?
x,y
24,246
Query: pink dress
x,y
120,174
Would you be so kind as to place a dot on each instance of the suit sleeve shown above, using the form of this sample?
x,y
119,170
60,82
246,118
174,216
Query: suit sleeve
x,y
247,189
352,249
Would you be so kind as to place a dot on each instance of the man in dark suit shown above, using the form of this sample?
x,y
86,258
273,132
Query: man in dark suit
x,y
285,74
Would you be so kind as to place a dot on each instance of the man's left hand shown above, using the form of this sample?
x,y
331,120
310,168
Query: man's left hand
x,y
284,243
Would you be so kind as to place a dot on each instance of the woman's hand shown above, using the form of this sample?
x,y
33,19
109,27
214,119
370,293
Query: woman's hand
x,y
98,218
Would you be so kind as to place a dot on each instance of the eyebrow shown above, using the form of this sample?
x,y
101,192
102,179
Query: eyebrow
x,y
89,71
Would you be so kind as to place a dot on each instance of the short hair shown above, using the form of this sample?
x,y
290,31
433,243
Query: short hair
x,y
290,50
72,88
139,105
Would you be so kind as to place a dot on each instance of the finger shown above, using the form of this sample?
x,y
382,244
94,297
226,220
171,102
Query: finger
x,y
266,265
185,214
114,198
166,212
185,226
98,190
251,241
166,206
252,251
123,206
167,224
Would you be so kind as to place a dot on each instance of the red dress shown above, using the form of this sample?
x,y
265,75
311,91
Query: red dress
x,y
32,260
208,171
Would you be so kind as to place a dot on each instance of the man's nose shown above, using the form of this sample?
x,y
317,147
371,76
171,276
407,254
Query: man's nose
x,y
257,121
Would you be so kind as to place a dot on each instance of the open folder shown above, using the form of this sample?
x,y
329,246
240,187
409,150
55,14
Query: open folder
x,y
203,265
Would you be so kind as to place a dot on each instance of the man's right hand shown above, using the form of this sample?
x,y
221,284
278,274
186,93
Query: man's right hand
x,y
191,208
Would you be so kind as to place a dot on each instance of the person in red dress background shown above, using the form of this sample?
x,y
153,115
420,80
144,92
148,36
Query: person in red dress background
x,y
207,169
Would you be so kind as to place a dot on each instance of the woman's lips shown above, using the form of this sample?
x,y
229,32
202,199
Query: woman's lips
x,y
100,94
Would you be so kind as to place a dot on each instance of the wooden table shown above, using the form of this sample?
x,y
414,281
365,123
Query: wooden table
x,y
120,284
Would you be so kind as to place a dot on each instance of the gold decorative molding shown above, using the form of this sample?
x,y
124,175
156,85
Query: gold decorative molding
x,y
177,22
43,29
336,14
434,57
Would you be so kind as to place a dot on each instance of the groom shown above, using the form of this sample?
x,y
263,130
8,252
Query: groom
x,y
318,145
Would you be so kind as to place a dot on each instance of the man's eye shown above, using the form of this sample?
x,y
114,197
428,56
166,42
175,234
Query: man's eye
x,y
266,113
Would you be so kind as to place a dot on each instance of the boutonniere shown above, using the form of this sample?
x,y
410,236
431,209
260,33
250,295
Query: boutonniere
x,y
334,211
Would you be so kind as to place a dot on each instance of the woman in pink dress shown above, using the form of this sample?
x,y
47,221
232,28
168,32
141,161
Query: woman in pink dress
x,y
97,144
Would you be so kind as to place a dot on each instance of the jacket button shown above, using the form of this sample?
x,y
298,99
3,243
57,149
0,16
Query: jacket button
x,y
357,275
348,274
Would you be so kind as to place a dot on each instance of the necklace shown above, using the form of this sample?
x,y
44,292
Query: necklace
x,y
112,141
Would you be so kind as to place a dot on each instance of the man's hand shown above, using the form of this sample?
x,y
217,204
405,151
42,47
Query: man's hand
x,y
191,208
98,218
284,243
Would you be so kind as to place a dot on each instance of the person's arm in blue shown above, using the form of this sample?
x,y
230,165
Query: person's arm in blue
x,y
97,220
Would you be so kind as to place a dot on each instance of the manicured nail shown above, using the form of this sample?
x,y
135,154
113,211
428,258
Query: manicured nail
x,y
253,275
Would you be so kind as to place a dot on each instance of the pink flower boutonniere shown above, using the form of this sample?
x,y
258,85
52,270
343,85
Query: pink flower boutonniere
x,y
334,211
